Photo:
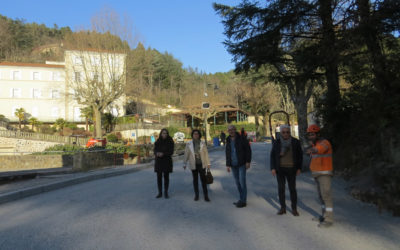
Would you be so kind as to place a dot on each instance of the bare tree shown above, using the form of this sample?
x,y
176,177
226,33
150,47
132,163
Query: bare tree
x,y
258,96
96,64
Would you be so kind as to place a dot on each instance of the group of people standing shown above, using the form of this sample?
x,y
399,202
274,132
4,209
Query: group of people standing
x,y
238,158
286,163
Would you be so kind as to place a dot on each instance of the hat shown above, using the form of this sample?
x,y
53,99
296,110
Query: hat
x,y
314,128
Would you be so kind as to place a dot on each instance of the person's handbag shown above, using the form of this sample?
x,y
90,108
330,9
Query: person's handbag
x,y
209,177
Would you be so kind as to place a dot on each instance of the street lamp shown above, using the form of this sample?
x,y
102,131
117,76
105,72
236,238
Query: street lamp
x,y
205,106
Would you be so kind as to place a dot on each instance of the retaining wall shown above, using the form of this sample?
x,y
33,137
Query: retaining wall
x,y
28,162
21,145
92,160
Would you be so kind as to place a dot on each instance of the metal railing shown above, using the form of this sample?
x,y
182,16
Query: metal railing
x,y
132,126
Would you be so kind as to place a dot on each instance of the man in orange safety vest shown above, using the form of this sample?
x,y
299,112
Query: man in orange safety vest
x,y
322,170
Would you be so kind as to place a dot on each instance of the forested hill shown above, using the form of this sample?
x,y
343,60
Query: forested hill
x,y
158,76
18,38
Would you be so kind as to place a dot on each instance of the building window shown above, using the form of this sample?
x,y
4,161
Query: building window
x,y
95,60
35,112
77,76
95,76
36,93
36,76
56,76
54,112
15,92
77,114
114,62
55,94
16,75
77,60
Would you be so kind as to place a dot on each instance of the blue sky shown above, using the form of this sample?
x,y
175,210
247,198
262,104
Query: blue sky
x,y
188,29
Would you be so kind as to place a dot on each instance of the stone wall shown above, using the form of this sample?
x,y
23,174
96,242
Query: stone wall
x,y
28,162
21,145
92,160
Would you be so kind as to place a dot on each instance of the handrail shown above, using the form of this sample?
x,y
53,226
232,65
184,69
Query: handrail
x,y
42,137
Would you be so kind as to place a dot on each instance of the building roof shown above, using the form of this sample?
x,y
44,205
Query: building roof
x,y
96,50
40,65
215,107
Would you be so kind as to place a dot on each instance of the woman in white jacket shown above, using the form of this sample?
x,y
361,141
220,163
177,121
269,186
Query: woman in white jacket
x,y
196,154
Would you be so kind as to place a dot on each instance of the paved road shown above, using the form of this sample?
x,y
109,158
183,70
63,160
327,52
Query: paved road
x,y
122,213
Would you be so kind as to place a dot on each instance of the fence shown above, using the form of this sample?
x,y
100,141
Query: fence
x,y
43,137
133,126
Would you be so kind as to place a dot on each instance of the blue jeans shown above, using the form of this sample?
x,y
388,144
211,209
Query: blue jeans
x,y
239,173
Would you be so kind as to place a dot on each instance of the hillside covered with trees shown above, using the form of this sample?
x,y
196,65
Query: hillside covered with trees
x,y
157,75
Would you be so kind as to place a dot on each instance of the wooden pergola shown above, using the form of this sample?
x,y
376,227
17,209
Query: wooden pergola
x,y
217,114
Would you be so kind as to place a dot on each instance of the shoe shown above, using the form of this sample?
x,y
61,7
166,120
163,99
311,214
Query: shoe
x,y
196,197
235,203
319,219
295,213
325,224
281,211
241,204
166,196
207,199
159,195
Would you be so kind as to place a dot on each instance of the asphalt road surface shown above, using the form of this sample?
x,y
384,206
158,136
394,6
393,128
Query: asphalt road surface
x,y
122,213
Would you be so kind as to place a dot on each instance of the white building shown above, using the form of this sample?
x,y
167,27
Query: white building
x,y
45,91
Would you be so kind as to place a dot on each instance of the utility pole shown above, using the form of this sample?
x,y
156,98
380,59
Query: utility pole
x,y
205,106
205,124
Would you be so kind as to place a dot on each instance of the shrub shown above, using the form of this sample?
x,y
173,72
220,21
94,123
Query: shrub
x,y
119,135
81,132
26,129
131,150
172,130
71,125
215,130
62,149
3,118
125,119
46,129
66,131
112,138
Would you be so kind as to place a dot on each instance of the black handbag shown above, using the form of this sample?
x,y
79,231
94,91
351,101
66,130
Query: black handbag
x,y
209,177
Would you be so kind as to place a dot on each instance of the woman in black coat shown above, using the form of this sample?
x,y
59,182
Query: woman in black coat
x,y
163,150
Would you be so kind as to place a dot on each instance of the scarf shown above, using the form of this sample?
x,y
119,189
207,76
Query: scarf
x,y
285,145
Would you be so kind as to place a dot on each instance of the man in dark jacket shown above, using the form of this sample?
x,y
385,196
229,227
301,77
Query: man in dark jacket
x,y
286,163
223,137
238,158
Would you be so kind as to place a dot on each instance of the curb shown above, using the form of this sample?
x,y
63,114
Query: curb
x,y
26,192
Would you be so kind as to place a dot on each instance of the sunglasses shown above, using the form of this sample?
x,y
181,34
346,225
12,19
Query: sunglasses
x,y
285,132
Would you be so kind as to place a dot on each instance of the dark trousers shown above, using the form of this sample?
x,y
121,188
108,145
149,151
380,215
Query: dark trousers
x,y
199,170
282,175
159,181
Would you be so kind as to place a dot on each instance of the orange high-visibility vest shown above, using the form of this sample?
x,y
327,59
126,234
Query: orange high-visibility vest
x,y
321,161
